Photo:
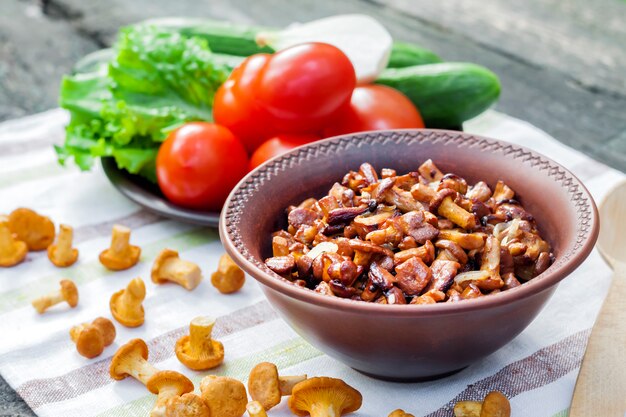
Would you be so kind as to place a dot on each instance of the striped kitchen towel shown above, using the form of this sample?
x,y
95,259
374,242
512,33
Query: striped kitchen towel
x,y
537,370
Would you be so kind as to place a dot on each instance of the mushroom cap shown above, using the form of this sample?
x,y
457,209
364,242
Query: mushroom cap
x,y
116,263
62,263
263,385
400,413
36,230
187,405
325,390
14,256
440,196
170,379
164,255
134,348
90,342
228,278
106,328
69,292
201,363
225,397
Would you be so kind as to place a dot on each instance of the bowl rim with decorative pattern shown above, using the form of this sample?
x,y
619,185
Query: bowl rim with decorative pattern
x,y
587,225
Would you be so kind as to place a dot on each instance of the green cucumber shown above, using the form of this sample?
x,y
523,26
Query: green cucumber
x,y
446,94
239,40
223,37
407,55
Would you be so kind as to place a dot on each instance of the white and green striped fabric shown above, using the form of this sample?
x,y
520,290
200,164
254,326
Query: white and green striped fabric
x,y
537,370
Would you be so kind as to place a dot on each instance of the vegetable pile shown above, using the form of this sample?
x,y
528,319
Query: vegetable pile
x,y
267,91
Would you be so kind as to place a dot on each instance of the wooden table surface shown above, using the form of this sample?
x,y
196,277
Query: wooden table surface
x,y
562,63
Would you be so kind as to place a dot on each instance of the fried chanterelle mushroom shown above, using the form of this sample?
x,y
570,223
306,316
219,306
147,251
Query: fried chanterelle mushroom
x,y
92,338
225,397
229,277
121,254
197,350
30,227
12,251
61,253
424,237
68,293
267,387
324,397
169,267
126,305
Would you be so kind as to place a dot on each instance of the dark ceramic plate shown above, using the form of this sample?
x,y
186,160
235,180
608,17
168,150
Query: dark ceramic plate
x,y
148,196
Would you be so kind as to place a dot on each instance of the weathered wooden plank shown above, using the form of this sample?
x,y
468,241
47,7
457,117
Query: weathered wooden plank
x,y
585,40
35,52
11,404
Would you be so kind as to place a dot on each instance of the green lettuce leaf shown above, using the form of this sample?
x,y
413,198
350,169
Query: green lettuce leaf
x,y
126,106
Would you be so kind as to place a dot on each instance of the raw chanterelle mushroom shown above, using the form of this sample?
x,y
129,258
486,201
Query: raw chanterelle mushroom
x,y
187,405
126,304
267,387
324,397
495,404
225,397
132,360
229,277
169,267
34,229
61,253
167,385
68,293
197,350
12,251
121,254
400,413
92,338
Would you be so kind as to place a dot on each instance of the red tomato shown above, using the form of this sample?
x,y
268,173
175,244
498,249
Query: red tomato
x,y
278,145
298,90
234,103
304,86
199,163
376,107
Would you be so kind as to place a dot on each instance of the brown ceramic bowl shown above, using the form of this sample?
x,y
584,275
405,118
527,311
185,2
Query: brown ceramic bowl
x,y
409,342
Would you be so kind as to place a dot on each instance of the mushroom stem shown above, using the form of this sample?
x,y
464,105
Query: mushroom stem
x,y
180,271
141,370
165,393
131,299
286,383
255,409
75,331
64,241
44,302
200,342
120,240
